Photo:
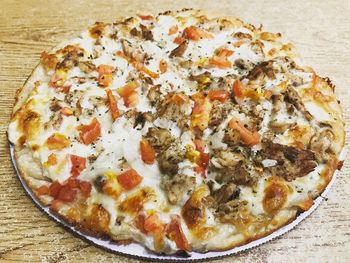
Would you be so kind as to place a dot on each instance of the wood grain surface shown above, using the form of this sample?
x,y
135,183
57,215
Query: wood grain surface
x,y
320,30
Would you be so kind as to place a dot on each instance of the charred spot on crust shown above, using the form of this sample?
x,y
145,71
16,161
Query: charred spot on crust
x,y
329,82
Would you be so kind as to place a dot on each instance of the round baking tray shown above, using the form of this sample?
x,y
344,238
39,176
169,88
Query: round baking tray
x,y
135,250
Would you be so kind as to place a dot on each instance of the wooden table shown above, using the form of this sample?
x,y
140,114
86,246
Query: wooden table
x,y
321,31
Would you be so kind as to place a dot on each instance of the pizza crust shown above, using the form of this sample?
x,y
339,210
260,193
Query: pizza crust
x,y
31,171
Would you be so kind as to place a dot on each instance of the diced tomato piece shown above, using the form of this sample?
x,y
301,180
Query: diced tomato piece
x,y
140,67
105,80
146,17
220,95
175,233
105,76
196,108
220,62
66,194
78,164
67,111
113,107
127,89
163,66
55,188
225,52
238,89
200,113
148,154
153,224
89,133
139,222
204,160
195,33
198,96
73,182
173,30
132,100
200,145
129,94
43,190
85,188
248,137
57,141
179,40
129,179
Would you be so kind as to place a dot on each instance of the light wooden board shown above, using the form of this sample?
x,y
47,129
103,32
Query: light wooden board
x,y
321,31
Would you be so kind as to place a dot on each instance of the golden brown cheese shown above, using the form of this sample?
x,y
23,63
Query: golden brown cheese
x,y
275,195
134,203
28,123
95,222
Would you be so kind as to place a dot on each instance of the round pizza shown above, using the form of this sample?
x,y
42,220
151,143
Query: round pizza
x,y
181,131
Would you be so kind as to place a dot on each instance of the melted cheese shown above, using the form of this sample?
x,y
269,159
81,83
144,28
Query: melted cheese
x,y
318,111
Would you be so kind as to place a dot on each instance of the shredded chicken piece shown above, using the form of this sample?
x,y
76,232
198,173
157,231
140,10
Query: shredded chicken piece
x,y
176,186
292,162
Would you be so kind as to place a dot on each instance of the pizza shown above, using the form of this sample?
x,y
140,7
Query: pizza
x,y
181,131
